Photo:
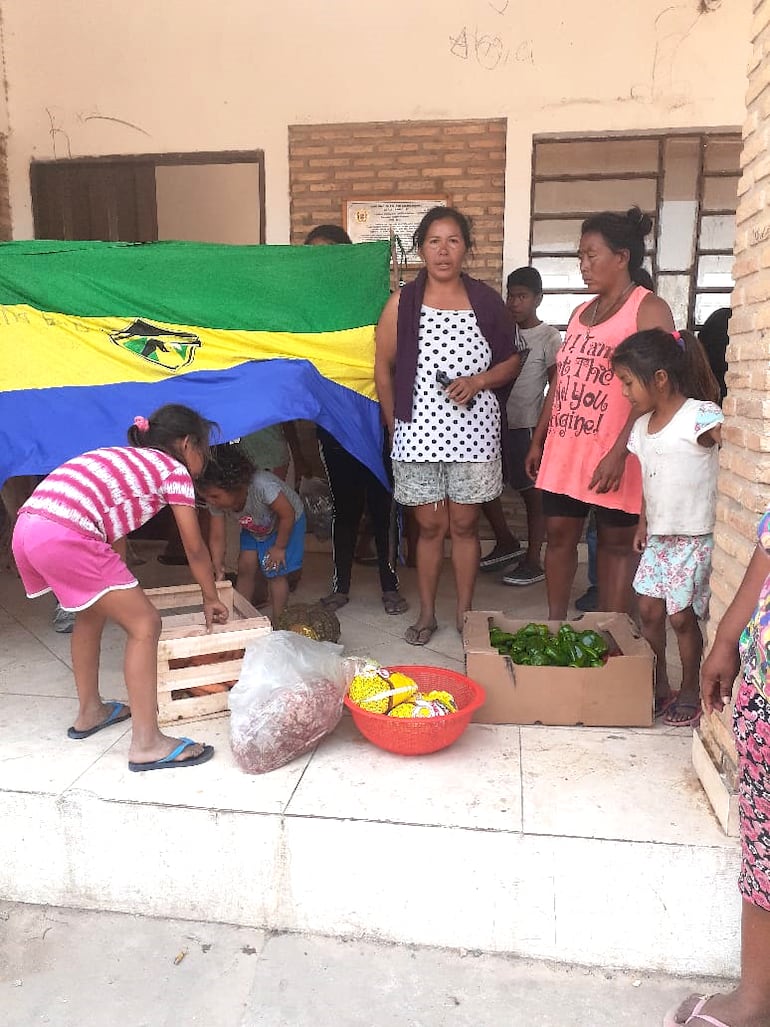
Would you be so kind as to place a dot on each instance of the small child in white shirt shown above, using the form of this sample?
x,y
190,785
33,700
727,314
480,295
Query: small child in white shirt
x,y
667,379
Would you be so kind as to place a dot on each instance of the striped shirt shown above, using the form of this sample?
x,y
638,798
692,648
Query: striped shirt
x,y
109,492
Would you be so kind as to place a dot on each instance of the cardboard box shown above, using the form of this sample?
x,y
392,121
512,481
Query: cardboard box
x,y
184,640
619,694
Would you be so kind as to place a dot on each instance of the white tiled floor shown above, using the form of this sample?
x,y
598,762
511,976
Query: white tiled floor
x,y
530,840
474,784
606,783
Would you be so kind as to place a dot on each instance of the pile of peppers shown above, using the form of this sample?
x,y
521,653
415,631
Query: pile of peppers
x,y
535,646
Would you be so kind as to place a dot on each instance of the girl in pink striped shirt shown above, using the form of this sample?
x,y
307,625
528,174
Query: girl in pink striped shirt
x,y
67,540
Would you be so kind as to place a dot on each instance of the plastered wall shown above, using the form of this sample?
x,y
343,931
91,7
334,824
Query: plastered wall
x,y
91,78
183,196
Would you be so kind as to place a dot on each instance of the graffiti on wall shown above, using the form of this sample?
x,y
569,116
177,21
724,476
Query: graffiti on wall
x,y
673,26
488,41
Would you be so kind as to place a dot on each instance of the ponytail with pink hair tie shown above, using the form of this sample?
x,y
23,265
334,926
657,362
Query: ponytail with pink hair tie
x,y
142,424
677,337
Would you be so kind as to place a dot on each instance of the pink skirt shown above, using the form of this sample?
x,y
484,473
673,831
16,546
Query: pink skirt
x,y
53,558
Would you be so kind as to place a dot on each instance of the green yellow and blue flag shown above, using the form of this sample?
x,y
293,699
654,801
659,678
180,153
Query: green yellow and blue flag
x,y
93,334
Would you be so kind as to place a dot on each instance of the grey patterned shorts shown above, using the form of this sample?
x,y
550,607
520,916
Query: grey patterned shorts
x,y
421,482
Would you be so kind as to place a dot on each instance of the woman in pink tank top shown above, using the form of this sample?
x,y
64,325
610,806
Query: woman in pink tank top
x,y
578,450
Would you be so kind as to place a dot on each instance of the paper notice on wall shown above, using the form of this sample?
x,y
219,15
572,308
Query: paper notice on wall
x,y
367,220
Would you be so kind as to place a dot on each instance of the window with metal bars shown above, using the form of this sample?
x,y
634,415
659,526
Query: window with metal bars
x,y
687,182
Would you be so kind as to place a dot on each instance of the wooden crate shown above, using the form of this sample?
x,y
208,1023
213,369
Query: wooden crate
x,y
184,635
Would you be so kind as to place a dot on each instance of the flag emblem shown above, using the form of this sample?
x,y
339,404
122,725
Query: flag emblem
x,y
160,346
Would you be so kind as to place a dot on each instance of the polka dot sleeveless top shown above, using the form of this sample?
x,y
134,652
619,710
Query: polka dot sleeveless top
x,y
441,429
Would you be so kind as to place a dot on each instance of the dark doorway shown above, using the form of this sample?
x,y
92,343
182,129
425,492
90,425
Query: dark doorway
x,y
208,197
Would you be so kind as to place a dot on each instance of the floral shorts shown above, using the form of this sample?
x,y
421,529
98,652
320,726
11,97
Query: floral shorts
x,y
677,568
751,723
418,483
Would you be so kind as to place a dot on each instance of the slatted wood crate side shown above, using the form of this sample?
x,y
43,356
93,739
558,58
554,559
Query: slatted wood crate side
x,y
180,642
184,636
179,596
193,707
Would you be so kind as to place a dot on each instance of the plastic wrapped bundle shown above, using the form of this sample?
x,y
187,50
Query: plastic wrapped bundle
x,y
288,697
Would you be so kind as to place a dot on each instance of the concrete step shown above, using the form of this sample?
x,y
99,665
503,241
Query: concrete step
x,y
589,846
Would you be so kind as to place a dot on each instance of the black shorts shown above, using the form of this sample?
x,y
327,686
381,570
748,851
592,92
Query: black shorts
x,y
518,442
557,505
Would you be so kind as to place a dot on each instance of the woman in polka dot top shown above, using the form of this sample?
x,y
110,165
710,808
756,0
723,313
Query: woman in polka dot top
x,y
445,327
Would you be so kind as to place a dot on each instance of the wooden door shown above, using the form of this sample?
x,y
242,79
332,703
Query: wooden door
x,y
112,201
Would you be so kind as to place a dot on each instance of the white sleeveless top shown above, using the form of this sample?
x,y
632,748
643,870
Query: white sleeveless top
x,y
441,429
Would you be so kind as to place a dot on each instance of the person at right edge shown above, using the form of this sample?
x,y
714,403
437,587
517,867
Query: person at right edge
x,y
578,453
742,646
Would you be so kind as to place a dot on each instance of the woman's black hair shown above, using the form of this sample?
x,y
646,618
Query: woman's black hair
x,y
439,214
714,337
170,424
228,469
680,355
329,233
643,277
623,232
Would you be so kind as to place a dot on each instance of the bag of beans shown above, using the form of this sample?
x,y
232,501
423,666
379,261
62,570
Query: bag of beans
x,y
289,695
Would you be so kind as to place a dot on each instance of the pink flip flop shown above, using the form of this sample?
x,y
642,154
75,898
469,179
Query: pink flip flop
x,y
695,1017
691,721
662,706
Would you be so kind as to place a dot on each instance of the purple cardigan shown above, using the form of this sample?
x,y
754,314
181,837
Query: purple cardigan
x,y
495,323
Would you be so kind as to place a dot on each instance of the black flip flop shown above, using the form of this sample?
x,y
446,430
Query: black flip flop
x,y
420,636
171,762
117,714
394,603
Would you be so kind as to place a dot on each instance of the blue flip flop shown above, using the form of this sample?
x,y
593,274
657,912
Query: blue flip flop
x,y
118,713
170,762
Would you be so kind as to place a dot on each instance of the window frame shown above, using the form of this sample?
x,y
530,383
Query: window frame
x,y
703,137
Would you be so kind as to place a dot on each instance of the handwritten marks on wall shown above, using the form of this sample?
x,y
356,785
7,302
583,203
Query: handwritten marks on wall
x,y
64,125
490,37
489,42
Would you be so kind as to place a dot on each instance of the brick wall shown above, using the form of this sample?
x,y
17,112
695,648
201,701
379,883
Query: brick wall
x,y
744,482
5,206
463,160
744,477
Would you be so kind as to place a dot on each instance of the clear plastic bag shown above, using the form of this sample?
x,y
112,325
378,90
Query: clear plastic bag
x,y
317,500
289,695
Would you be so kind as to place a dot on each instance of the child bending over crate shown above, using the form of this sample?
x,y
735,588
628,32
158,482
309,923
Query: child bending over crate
x,y
63,543
272,521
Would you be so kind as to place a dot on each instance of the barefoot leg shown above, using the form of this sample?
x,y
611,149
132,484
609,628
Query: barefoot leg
x,y
749,1004
433,522
652,613
561,558
464,530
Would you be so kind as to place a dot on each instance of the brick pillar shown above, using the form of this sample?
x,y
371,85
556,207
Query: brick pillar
x,y
744,478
